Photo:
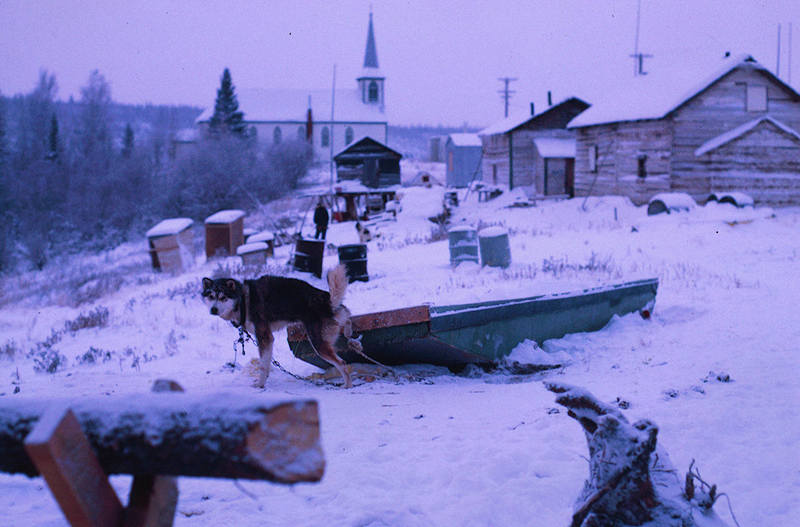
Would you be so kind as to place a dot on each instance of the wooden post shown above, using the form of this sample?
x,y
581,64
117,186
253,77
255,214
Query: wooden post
x,y
64,457
153,499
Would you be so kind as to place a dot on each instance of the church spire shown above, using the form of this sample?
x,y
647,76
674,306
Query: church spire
x,y
371,53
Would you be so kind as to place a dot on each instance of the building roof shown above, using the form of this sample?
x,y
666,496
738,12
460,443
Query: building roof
x,y
727,137
515,121
362,141
550,147
270,105
465,139
655,95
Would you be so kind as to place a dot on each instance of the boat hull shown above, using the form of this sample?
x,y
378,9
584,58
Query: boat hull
x,y
485,332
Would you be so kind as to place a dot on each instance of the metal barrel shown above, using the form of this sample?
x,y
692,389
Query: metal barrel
x,y
354,258
308,256
463,243
494,246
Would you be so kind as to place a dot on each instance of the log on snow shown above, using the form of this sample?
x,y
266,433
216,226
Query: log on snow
x,y
221,435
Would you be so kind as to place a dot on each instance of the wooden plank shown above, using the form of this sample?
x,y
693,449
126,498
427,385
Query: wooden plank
x,y
295,332
62,454
208,435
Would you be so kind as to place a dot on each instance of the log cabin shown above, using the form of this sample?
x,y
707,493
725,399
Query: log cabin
x,y
512,158
734,131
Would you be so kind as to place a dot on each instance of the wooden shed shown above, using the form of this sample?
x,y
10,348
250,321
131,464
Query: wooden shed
x,y
171,244
463,159
224,232
736,130
510,156
370,162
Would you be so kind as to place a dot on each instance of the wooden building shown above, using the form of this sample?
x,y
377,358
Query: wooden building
x,y
510,155
462,159
736,130
370,162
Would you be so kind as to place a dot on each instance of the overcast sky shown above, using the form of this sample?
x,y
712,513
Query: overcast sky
x,y
441,59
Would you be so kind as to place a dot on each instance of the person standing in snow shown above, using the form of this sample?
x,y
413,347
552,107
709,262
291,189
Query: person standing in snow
x,y
320,220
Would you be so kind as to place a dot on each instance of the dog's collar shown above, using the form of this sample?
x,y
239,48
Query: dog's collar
x,y
243,300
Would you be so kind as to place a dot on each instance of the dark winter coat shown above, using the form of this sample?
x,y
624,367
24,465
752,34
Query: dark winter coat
x,y
321,217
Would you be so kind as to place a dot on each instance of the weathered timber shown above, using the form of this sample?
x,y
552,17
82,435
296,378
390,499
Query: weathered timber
x,y
60,450
220,435
631,479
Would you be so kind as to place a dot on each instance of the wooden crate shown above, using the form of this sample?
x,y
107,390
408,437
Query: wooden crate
x,y
224,232
171,244
253,254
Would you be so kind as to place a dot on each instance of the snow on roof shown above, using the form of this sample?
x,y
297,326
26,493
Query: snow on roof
x,y
555,147
292,105
491,232
261,237
730,135
512,122
169,226
225,216
507,124
251,248
465,139
359,139
655,95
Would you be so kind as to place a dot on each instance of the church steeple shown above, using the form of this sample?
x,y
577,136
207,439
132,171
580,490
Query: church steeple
x,y
371,81
371,54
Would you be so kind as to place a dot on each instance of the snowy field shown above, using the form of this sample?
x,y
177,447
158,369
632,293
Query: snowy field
x,y
472,450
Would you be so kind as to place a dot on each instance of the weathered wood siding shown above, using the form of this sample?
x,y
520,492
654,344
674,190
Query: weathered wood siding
x,y
514,150
495,154
719,109
619,147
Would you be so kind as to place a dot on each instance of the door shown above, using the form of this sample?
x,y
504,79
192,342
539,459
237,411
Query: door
x,y
555,176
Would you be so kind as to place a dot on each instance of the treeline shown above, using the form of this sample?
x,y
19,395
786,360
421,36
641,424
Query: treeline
x,y
89,173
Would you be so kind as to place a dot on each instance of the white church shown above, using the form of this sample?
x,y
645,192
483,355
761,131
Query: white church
x,y
281,114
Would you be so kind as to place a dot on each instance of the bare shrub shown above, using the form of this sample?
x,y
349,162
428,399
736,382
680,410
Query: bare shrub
x,y
96,318
9,349
95,356
48,360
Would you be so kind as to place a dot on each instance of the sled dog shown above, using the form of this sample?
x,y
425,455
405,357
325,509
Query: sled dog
x,y
269,303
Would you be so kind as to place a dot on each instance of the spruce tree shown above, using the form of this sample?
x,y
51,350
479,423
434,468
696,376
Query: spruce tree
x,y
52,140
227,117
127,141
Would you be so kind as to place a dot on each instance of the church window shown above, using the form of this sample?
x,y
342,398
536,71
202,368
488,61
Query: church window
x,y
373,92
276,135
348,135
326,136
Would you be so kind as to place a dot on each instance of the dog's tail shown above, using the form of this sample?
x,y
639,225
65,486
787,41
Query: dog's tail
x,y
337,283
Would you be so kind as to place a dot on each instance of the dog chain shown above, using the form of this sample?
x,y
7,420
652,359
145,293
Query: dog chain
x,y
241,340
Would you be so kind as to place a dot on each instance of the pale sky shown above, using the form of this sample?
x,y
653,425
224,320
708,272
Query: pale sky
x,y
441,59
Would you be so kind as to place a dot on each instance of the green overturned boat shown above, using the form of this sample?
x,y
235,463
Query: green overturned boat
x,y
481,333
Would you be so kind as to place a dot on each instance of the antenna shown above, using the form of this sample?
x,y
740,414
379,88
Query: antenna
x,y
778,60
505,93
638,58
789,73
333,124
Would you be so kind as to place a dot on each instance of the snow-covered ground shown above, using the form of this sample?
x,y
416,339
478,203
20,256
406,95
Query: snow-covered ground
x,y
480,449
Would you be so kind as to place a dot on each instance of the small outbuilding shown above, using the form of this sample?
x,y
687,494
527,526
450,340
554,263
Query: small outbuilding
x,y
463,159
370,162
171,243
224,232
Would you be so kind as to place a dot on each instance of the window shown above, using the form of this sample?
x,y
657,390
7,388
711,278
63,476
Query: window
x,y
494,174
276,135
592,158
372,95
348,135
641,170
301,133
756,98
325,136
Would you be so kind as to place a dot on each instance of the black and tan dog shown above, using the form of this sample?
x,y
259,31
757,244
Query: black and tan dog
x,y
269,303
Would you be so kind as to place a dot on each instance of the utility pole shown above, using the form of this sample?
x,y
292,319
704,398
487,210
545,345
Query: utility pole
x,y
778,60
638,57
505,93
